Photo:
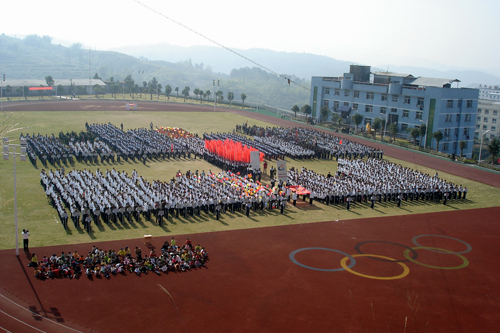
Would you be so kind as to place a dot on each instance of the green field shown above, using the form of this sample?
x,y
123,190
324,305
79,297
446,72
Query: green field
x,y
36,214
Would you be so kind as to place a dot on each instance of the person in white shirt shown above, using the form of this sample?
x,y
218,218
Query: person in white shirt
x,y
26,235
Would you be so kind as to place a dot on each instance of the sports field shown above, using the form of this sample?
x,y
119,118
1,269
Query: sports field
x,y
251,274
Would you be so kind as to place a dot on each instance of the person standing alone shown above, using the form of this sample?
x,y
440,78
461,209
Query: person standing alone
x,y
26,235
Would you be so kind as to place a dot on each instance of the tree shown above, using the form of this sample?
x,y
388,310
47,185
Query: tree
x,y
376,125
423,130
208,93
97,90
80,90
393,130
8,90
60,89
219,96
96,77
168,91
158,91
26,91
438,136
357,118
177,91
414,133
462,144
295,109
185,92
129,83
19,91
196,92
49,80
306,109
494,149
243,97
325,112
230,97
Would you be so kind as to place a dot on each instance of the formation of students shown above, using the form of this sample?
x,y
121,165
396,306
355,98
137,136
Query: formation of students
x,y
105,263
375,180
114,196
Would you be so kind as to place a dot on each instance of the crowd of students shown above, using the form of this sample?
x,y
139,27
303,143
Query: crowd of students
x,y
375,180
106,263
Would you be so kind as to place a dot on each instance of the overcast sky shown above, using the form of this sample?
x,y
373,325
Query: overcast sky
x,y
439,34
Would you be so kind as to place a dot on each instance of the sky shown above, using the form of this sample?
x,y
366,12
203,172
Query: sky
x,y
439,34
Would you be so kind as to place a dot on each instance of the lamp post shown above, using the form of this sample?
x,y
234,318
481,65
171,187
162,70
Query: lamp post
x,y
10,150
426,129
481,146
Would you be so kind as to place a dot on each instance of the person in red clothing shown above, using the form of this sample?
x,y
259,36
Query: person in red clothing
x,y
188,244
265,167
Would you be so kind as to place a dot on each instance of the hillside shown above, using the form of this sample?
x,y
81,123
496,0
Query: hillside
x,y
36,57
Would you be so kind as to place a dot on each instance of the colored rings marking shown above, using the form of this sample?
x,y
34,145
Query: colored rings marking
x,y
465,263
292,258
469,248
406,270
414,253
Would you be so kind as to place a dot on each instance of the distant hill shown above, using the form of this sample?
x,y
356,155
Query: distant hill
x,y
303,65
35,57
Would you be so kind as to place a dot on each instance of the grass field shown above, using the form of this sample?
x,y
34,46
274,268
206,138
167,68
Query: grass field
x,y
36,214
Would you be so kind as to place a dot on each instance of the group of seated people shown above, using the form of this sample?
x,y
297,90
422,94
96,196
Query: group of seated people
x,y
102,263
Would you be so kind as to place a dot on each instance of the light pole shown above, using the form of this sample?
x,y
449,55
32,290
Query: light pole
x,y
481,146
10,150
426,129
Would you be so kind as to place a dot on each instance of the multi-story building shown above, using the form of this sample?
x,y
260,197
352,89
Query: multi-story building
x,y
490,93
403,99
488,119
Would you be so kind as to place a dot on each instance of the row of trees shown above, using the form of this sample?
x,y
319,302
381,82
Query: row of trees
x,y
379,125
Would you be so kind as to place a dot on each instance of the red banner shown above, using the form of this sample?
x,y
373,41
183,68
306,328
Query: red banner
x,y
231,150
40,88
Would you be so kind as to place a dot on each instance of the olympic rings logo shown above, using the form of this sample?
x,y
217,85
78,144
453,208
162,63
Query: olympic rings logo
x,y
409,253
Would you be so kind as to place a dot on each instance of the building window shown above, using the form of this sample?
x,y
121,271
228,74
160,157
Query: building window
x,y
448,118
468,117
495,113
327,91
369,108
368,121
479,111
478,126
419,115
456,131
404,127
406,113
486,111
395,98
394,110
485,127
458,118
449,104
420,103
346,103
445,146
407,100
447,131
492,136
469,103
466,131
346,93
460,103
355,106
335,105
356,94
384,97
478,118
494,120
383,110
325,102
493,128
485,119
337,92
369,95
